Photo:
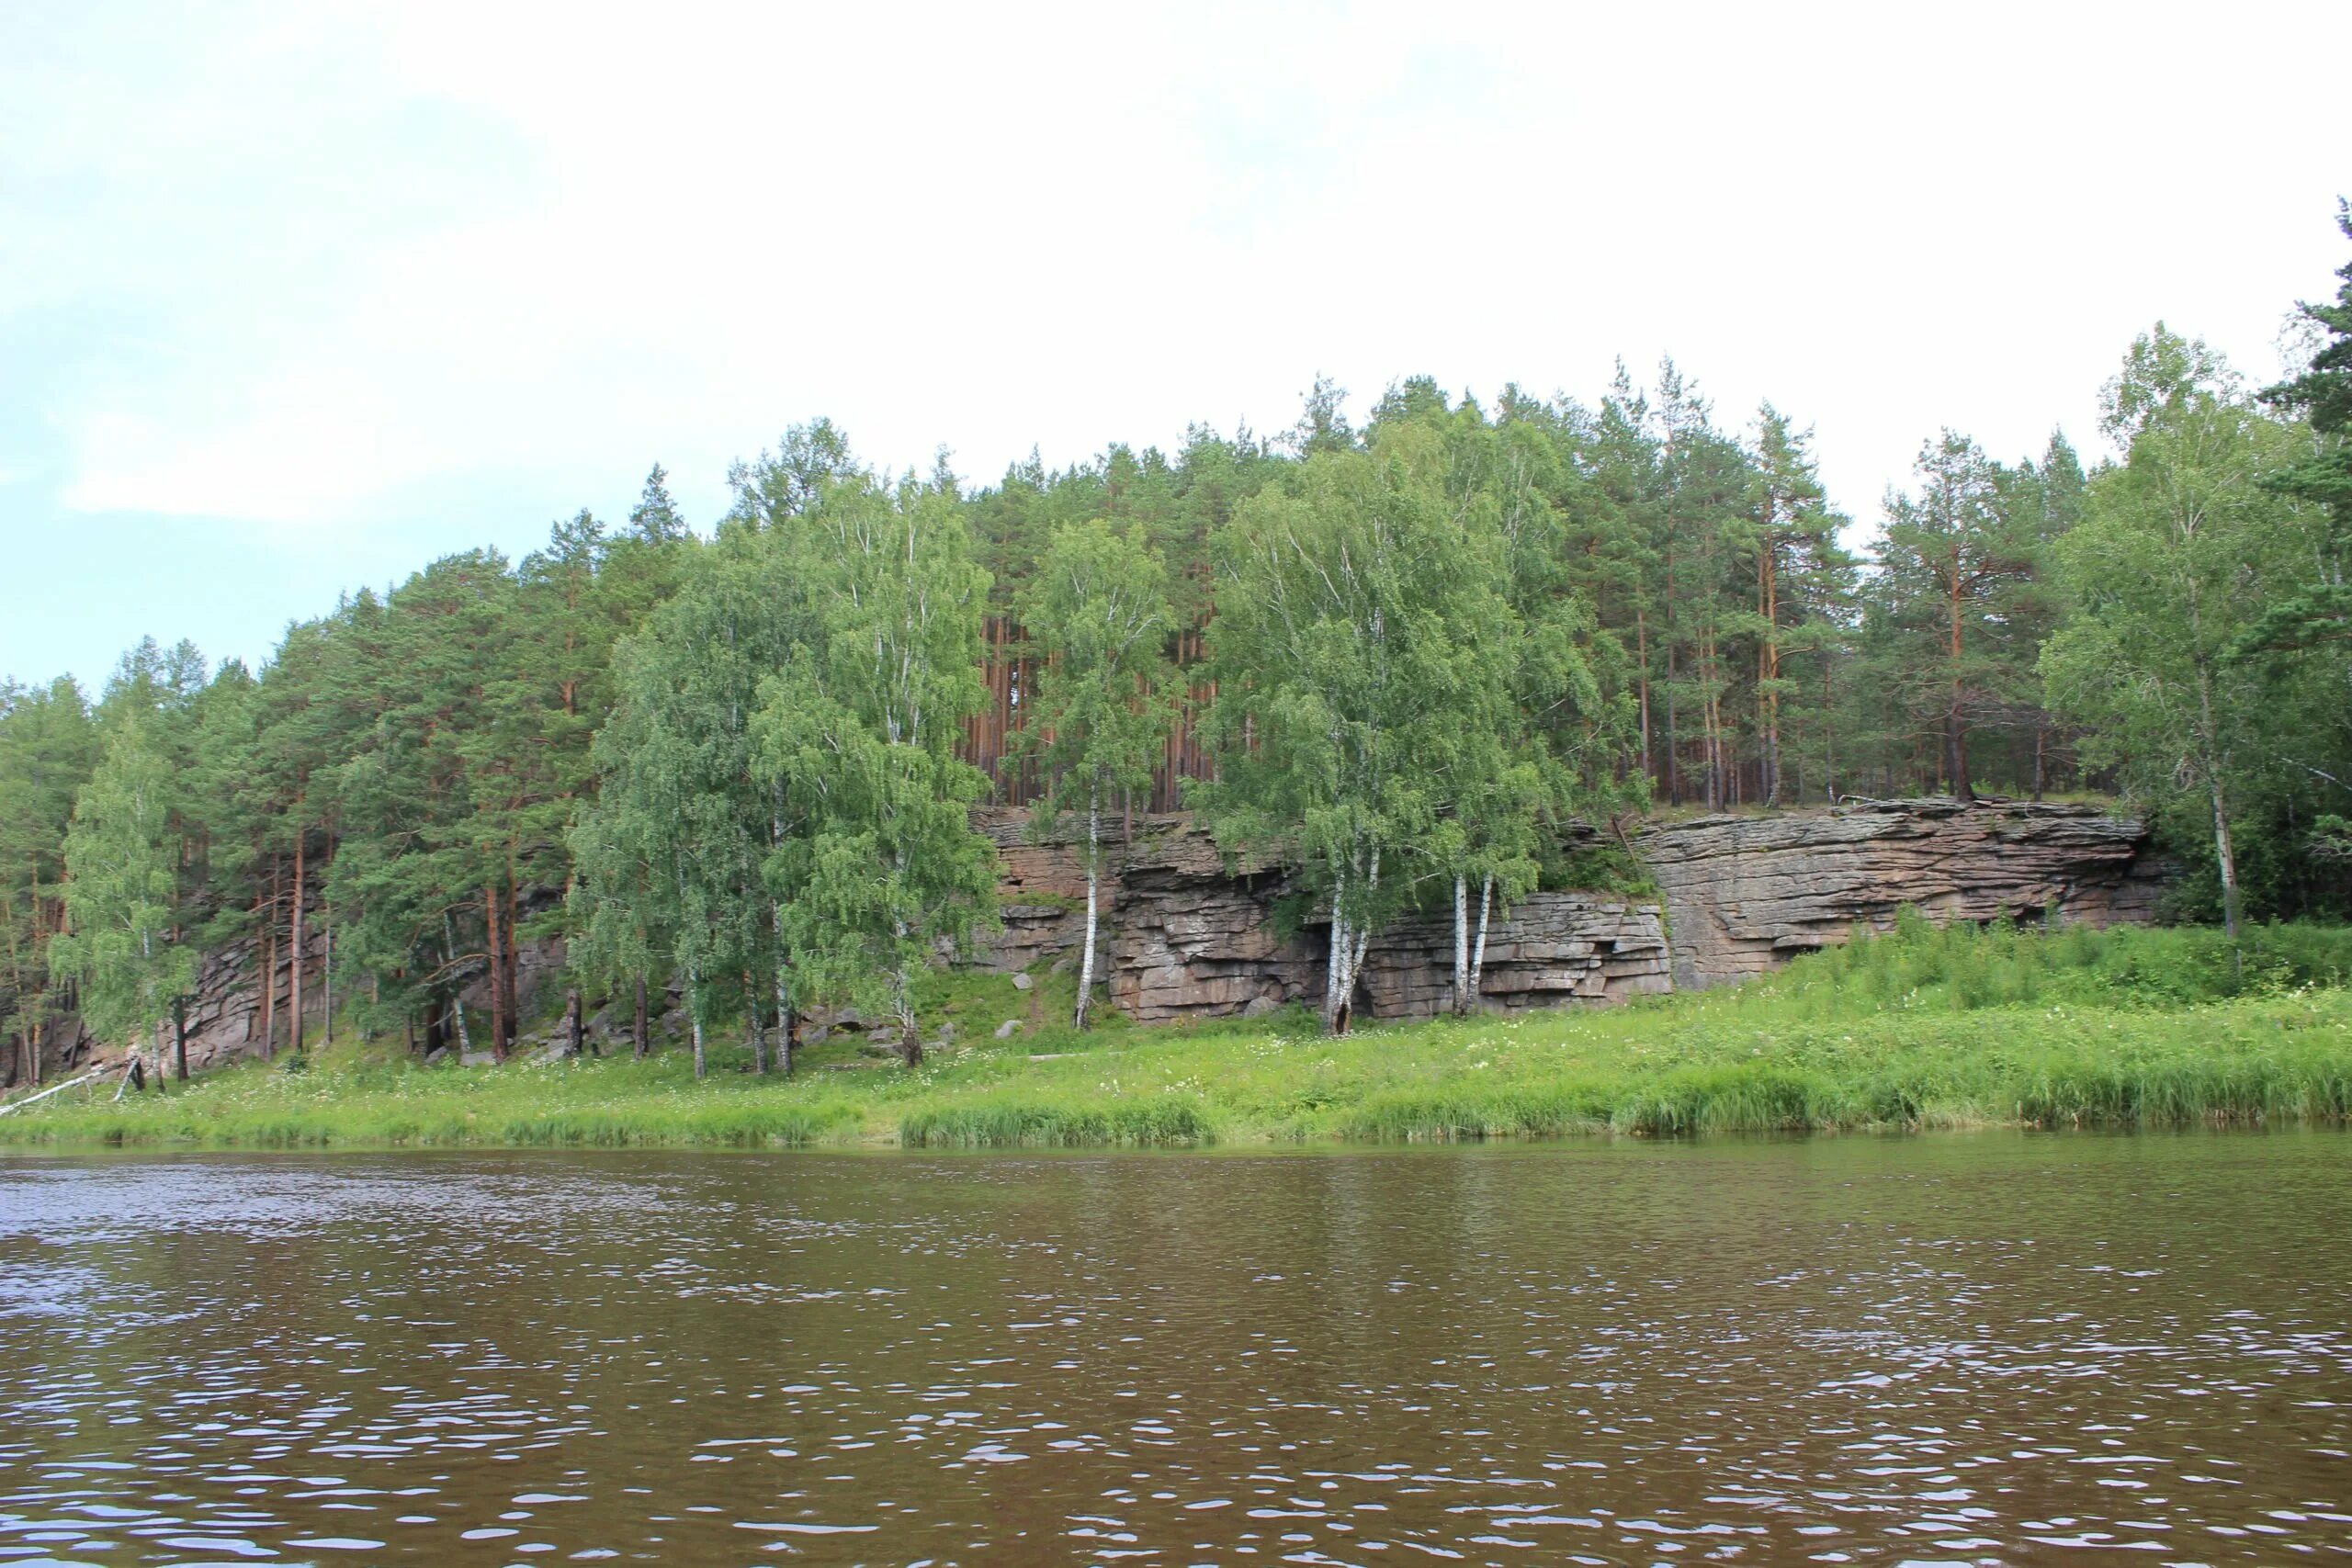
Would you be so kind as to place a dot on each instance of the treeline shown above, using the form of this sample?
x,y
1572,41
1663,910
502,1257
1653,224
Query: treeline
x,y
1402,656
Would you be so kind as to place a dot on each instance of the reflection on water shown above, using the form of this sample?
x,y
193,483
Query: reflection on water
x,y
1948,1349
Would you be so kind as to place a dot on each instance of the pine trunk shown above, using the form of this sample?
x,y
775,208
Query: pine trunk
x,y
269,970
514,962
294,945
636,1041
1955,730
326,981
1642,663
497,989
1768,678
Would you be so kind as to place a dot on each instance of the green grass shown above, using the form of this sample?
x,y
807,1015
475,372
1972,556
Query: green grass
x,y
1923,1029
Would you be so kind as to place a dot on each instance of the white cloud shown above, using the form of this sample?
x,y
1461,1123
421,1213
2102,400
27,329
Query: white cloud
x,y
336,256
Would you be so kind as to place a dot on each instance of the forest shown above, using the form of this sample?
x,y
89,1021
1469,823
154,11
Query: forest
x,y
1401,651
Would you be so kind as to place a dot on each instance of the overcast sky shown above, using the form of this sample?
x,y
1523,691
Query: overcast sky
x,y
294,297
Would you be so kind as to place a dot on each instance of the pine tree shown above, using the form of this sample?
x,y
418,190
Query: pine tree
x,y
1949,563
48,748
2321,614
1802,581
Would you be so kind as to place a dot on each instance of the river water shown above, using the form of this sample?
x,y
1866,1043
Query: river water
x,y
1951,1348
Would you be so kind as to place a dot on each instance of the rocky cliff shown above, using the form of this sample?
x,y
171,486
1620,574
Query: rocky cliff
x,y
225,1020
1744,894
1183,937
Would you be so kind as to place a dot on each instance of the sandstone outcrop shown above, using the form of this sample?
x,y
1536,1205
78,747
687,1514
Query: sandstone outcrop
x,y
1747,893
224,1018
1185,937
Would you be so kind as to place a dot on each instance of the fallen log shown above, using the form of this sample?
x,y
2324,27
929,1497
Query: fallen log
x,y
44,1094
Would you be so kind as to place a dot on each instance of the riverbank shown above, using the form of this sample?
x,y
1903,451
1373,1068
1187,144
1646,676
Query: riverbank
x,y
1927,1029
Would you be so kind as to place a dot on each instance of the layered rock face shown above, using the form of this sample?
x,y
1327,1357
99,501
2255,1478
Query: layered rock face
x,y
1747,894
1555,949
1184,938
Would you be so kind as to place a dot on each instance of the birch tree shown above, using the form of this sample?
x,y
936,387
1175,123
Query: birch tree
x,y
671,851
2180,547
856,736
1346,646
122,892
1097,613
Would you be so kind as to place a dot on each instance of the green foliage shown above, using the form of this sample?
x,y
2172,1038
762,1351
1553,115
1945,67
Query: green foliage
x,y
1925,967
1098,617
1596,865
1362,635
1098,614
2179,547
1953,565
47,748
122,936
669,853
2320,475
877,864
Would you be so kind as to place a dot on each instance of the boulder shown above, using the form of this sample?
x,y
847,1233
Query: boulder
x,y
1022,982
1008,1029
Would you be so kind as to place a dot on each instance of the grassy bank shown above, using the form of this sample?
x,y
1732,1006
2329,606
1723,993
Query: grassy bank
x,y
1923,1029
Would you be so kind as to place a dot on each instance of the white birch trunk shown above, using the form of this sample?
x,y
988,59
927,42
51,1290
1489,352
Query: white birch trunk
x,y
694,1017
903,1003
2225,855
1461,945
1336,982
1478,948
1094,884
449,950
